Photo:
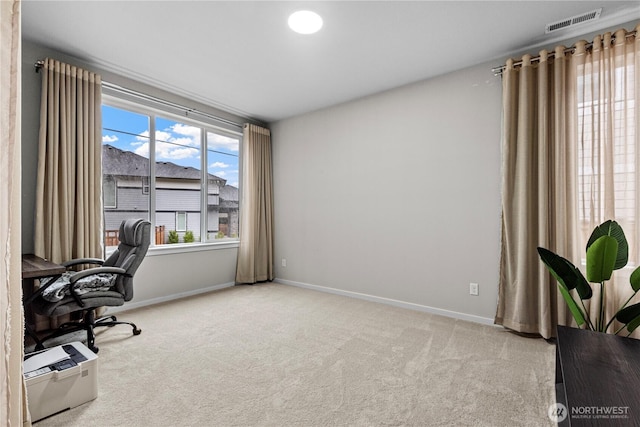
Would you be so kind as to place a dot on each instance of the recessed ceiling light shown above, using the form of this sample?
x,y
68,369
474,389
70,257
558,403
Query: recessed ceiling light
x,y
305,22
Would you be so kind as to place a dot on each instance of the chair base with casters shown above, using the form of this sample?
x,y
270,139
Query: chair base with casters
x,y
88,324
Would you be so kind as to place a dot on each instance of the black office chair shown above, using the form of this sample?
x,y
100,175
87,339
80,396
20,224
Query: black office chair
x,y
110,284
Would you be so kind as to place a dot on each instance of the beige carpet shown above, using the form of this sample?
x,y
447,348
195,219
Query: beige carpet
x,y
275,355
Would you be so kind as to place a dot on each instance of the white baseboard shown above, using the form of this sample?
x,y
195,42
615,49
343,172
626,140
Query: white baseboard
x,y
152,301
389,301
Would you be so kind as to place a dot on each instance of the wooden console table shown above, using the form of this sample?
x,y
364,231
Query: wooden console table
x,y
597,378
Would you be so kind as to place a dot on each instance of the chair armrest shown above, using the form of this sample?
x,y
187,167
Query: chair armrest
x,y
96,270
89,272
82,261
45,282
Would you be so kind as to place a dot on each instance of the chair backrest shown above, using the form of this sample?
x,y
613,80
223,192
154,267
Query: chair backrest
x,y
134,236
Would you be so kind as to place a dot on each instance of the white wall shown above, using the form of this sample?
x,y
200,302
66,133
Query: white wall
x,y
164,276
396,196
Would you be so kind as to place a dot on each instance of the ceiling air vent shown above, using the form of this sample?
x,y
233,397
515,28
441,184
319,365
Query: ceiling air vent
x,y
574,20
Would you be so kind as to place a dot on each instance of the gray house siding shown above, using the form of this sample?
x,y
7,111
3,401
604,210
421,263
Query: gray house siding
x,y
130,199
112,220
177,200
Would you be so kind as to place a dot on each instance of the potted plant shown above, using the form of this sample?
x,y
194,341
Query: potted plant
x,y
607,250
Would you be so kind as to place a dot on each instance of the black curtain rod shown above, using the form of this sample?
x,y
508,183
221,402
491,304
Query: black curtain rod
x,y
187,110
499,70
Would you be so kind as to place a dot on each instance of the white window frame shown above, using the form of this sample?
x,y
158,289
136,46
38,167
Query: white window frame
x,y
181,221
153,113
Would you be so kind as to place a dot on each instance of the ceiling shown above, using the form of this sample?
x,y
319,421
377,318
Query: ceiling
x,y
241,56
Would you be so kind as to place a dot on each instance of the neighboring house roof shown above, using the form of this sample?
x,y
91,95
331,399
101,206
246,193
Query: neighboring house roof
x,y
127,163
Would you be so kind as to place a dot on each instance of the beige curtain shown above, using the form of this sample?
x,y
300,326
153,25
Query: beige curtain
x,y
255,254
608,143
13,404
68,194
545,170
68,221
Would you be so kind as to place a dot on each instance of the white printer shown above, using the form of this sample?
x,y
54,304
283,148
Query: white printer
x,y
60,378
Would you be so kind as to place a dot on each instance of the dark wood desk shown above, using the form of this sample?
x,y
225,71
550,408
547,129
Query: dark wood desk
x,y
597,377
34,267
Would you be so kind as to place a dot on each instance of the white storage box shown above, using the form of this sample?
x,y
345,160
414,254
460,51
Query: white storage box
x,y
56,382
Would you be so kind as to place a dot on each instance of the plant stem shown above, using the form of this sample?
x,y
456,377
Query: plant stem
x,y
601,317
586,315
621,328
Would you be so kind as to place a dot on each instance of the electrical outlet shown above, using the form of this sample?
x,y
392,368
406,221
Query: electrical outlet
x,y
284,262
473,289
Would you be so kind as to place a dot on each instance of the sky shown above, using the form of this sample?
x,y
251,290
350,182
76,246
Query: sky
x,y
175,142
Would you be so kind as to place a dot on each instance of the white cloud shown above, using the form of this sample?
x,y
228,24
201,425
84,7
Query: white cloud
x,y
221,174
143,150
175,152
168,146
215,141
192,132
109,138
219,165
180,141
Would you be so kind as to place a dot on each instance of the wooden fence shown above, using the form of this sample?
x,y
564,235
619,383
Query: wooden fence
x,y
111,236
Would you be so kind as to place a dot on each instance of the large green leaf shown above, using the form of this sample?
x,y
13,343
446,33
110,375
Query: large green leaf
x,y
559,267
633,325
612,229
635,279
582,285
573,306
628,314
566,273
601,259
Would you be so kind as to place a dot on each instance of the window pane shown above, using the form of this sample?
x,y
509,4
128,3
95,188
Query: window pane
x,y
109,192
181,221
125,165
178,176
223,194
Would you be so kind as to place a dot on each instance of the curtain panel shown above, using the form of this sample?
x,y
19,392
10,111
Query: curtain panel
x,y
558,169
13,401
68,220
609,149
69,184
255,253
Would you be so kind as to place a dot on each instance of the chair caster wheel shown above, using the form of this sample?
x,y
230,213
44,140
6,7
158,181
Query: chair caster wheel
x,y
137,331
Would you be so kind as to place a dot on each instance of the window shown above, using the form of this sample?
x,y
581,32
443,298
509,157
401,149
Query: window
x,y
182,175
181,221
109,191
608,157
145,185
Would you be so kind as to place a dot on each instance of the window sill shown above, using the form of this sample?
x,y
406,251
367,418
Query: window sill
x,y
180,248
